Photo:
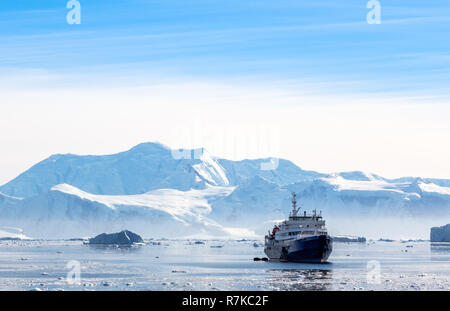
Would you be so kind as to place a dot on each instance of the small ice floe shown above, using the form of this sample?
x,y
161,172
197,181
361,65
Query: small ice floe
x,y
106,283
60,278
216,246
178,271
199,242
415,286
422,275
154,243
36,289
129,284
385,240
59,252
44,273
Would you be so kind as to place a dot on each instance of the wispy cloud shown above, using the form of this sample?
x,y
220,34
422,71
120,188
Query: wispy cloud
x,y
348,94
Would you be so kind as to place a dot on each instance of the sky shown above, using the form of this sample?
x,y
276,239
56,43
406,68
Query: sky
x,y
309,81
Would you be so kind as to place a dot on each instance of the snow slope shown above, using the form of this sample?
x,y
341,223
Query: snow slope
x,y
430,187
66,212
181,205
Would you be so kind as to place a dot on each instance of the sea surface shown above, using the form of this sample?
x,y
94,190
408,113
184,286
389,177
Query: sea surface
x,y
219,265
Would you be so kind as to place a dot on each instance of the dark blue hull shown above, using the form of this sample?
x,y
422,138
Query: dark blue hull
x,y
310,249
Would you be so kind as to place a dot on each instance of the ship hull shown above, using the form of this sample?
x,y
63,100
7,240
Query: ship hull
x,y
315,249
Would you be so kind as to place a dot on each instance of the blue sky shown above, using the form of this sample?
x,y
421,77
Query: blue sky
x,y
316,41
290,54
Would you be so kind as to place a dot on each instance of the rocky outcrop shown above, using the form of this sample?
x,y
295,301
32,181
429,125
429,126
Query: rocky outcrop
x,y
440,234
121,238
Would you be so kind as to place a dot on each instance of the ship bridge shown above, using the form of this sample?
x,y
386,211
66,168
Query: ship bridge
x,y
305,225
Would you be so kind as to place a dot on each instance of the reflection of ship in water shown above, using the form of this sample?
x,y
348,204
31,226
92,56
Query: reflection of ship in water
x,y
300,280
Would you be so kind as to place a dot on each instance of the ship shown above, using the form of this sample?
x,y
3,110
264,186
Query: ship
x,y
301,238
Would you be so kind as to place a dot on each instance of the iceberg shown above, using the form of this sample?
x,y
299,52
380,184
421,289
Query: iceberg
x,y
440,234
12,234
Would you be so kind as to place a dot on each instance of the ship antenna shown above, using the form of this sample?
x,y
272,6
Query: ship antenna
x,y
294,204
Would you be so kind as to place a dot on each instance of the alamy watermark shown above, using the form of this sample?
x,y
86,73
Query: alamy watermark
x,y
373,274
74,15
260,141
74,275
374,15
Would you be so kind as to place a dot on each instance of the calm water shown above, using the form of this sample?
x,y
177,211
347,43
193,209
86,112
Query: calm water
x,y
182,265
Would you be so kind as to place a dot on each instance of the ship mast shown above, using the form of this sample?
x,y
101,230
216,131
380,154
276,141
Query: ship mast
x,y
294,205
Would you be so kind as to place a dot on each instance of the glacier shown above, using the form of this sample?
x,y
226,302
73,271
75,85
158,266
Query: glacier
x,y
440,234
150,191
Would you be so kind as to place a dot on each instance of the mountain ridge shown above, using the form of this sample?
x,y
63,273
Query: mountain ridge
x,y
69,195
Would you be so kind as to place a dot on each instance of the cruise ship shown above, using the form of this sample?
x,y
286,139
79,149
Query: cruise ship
x,y
301,238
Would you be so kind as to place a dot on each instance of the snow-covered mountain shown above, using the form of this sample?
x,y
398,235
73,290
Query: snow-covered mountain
x,y
145,167
156,191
